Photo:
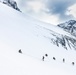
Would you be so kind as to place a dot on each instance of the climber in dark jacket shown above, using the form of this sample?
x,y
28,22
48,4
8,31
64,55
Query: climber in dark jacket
x,y
54,58
46,55
73,63
20,51
63,60
43,58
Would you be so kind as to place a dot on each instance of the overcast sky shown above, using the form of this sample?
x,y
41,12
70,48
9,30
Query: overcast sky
x,y
50,11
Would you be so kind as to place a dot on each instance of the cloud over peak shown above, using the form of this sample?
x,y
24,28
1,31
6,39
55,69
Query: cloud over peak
x,y
48,8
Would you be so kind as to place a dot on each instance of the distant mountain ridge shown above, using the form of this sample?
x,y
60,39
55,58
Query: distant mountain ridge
x,y
69,26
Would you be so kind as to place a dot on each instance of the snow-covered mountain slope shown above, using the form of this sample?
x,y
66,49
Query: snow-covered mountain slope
x,y
12,63
35,39
69,26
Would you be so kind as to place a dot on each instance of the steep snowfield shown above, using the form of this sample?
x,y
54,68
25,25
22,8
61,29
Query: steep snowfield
x,y
19,31
18,64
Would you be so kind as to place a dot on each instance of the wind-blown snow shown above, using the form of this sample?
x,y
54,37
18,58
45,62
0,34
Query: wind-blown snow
x,y
19,31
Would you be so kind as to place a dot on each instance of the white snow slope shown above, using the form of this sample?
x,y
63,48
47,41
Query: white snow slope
x,y
19,31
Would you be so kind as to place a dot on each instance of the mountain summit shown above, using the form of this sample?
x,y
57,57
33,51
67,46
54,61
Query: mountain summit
x,y
69,26
11,3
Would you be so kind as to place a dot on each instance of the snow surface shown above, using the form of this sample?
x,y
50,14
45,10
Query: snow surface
x,y
20,31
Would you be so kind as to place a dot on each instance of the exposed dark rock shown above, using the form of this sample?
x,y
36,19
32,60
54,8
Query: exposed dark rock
x,y
12,4
69,26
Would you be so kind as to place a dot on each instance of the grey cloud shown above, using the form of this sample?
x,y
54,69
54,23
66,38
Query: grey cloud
x,y
60,7
54,6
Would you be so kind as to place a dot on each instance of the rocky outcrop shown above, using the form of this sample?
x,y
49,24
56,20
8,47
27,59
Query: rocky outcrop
x,y
69,26
12,4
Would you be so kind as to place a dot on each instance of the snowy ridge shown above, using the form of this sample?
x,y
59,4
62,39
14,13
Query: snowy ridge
x,y
69,26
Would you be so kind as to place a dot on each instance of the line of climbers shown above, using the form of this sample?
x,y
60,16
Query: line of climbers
x,y
46,55
73,63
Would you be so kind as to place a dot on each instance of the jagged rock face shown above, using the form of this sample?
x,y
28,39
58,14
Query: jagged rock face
x,y
61,40
69,26
11,3
64,41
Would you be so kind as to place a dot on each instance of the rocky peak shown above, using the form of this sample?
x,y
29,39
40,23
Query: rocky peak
x,y
11,3
71,22
69,26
